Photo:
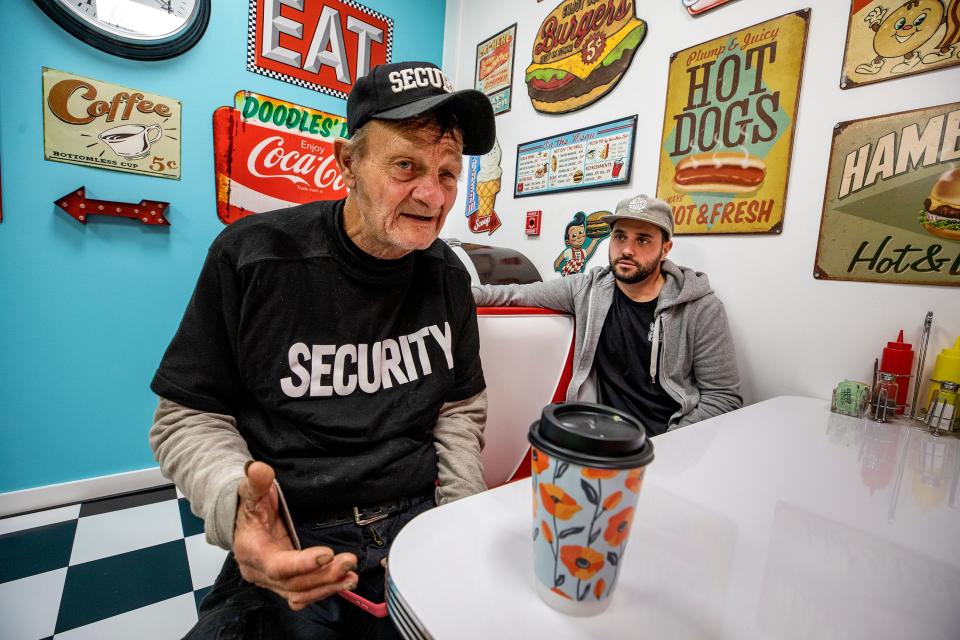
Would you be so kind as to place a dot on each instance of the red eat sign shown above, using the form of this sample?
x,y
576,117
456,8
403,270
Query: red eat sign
x,y
323,45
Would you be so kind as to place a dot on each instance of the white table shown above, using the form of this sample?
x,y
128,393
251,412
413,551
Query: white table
x,y
780,520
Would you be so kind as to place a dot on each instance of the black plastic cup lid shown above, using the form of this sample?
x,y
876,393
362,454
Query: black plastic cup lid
x,y
592,435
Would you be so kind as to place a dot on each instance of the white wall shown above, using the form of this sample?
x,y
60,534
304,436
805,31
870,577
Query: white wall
x,y
794,334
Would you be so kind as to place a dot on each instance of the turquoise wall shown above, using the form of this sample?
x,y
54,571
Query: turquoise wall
x,y
87,311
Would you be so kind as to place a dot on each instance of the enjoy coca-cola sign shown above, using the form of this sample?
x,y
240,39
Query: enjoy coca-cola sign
x,y
270,154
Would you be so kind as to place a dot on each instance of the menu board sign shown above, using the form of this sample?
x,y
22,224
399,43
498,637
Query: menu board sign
x,y
891,211
728,128
494,69
596,156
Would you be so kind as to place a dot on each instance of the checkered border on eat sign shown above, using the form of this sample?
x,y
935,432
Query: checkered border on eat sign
x,y
252,48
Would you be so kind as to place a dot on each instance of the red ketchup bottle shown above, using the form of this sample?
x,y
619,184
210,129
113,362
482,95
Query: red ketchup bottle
x,y
897,359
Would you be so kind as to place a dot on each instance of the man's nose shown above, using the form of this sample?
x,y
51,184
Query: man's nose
x,y
429,192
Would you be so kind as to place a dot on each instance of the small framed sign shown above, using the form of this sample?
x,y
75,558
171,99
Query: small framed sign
x,y
493,74
597,156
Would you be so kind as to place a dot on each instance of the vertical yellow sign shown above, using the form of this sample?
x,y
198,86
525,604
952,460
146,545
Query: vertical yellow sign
x,y
728,128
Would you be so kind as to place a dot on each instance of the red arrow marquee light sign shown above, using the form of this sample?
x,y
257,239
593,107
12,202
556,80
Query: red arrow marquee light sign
x,y
79,206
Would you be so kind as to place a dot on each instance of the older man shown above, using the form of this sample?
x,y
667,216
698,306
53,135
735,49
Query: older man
x,y
336,344
652,338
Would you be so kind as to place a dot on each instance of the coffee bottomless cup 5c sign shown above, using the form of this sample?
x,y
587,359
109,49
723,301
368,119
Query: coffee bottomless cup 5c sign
x,y
587,464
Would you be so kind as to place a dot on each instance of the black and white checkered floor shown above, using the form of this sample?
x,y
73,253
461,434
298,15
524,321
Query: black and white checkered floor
x,y
134,566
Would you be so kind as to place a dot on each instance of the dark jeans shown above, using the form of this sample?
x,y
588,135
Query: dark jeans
x,y
236,609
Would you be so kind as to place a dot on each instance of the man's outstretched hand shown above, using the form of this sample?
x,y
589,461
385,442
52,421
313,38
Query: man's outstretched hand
x,y
267,557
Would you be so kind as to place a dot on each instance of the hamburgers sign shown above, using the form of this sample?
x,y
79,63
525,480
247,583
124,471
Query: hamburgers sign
x,y
891,209
581,51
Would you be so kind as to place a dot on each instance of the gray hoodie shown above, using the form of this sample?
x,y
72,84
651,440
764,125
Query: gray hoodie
x,y
692,349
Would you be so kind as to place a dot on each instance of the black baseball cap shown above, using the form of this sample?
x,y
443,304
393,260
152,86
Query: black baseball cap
x,y
404,90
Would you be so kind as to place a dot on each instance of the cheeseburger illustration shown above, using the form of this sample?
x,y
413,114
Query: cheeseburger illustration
x,y
580,53
941,210
719,172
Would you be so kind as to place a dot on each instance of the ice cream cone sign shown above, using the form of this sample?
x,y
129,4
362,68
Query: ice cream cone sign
x,y
483,185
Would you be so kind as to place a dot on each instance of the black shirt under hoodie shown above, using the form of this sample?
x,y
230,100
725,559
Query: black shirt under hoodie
x,y
623,364
334,363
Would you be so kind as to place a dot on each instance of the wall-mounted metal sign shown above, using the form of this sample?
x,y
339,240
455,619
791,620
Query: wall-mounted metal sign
x,y
324,45
885,41
728,128
271,154
597,156
695,7
493,74
109,126
580,53
891,209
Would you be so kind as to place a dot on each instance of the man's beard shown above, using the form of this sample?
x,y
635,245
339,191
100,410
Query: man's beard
x,y
634,272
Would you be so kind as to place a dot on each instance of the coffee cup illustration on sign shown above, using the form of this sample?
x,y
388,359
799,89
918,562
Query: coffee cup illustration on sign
x,y
132,141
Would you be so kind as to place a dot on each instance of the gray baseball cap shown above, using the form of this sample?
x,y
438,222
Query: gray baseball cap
x,y
644,208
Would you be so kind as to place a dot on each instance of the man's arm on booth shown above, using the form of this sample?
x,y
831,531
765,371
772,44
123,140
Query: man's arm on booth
x,y
557,293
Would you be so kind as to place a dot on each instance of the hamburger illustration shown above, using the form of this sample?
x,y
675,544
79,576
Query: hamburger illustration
x,y
580,53
578,176
596,227
719,172
941,210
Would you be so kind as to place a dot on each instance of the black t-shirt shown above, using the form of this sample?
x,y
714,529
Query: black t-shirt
x,y
622,363
334,363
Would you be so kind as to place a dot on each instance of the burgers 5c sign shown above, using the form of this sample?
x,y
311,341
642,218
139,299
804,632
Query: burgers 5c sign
x,y
324,45
891,211
581,51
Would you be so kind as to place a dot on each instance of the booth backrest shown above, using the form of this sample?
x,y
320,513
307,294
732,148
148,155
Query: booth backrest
x,y
527,360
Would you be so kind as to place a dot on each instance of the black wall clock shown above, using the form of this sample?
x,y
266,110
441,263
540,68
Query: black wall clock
x,y
136,29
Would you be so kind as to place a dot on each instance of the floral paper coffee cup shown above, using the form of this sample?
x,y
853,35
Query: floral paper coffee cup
x,y
587,464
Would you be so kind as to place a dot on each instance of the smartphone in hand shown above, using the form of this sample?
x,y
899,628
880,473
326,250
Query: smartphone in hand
x,y
286,518
378,610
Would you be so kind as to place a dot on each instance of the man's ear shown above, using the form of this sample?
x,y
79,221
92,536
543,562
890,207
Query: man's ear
x,y
346,160
666,249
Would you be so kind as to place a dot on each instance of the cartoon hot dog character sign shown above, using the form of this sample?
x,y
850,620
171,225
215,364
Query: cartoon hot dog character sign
x,y
581,51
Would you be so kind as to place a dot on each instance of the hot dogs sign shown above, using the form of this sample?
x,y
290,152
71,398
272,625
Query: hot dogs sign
x,y
728,128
